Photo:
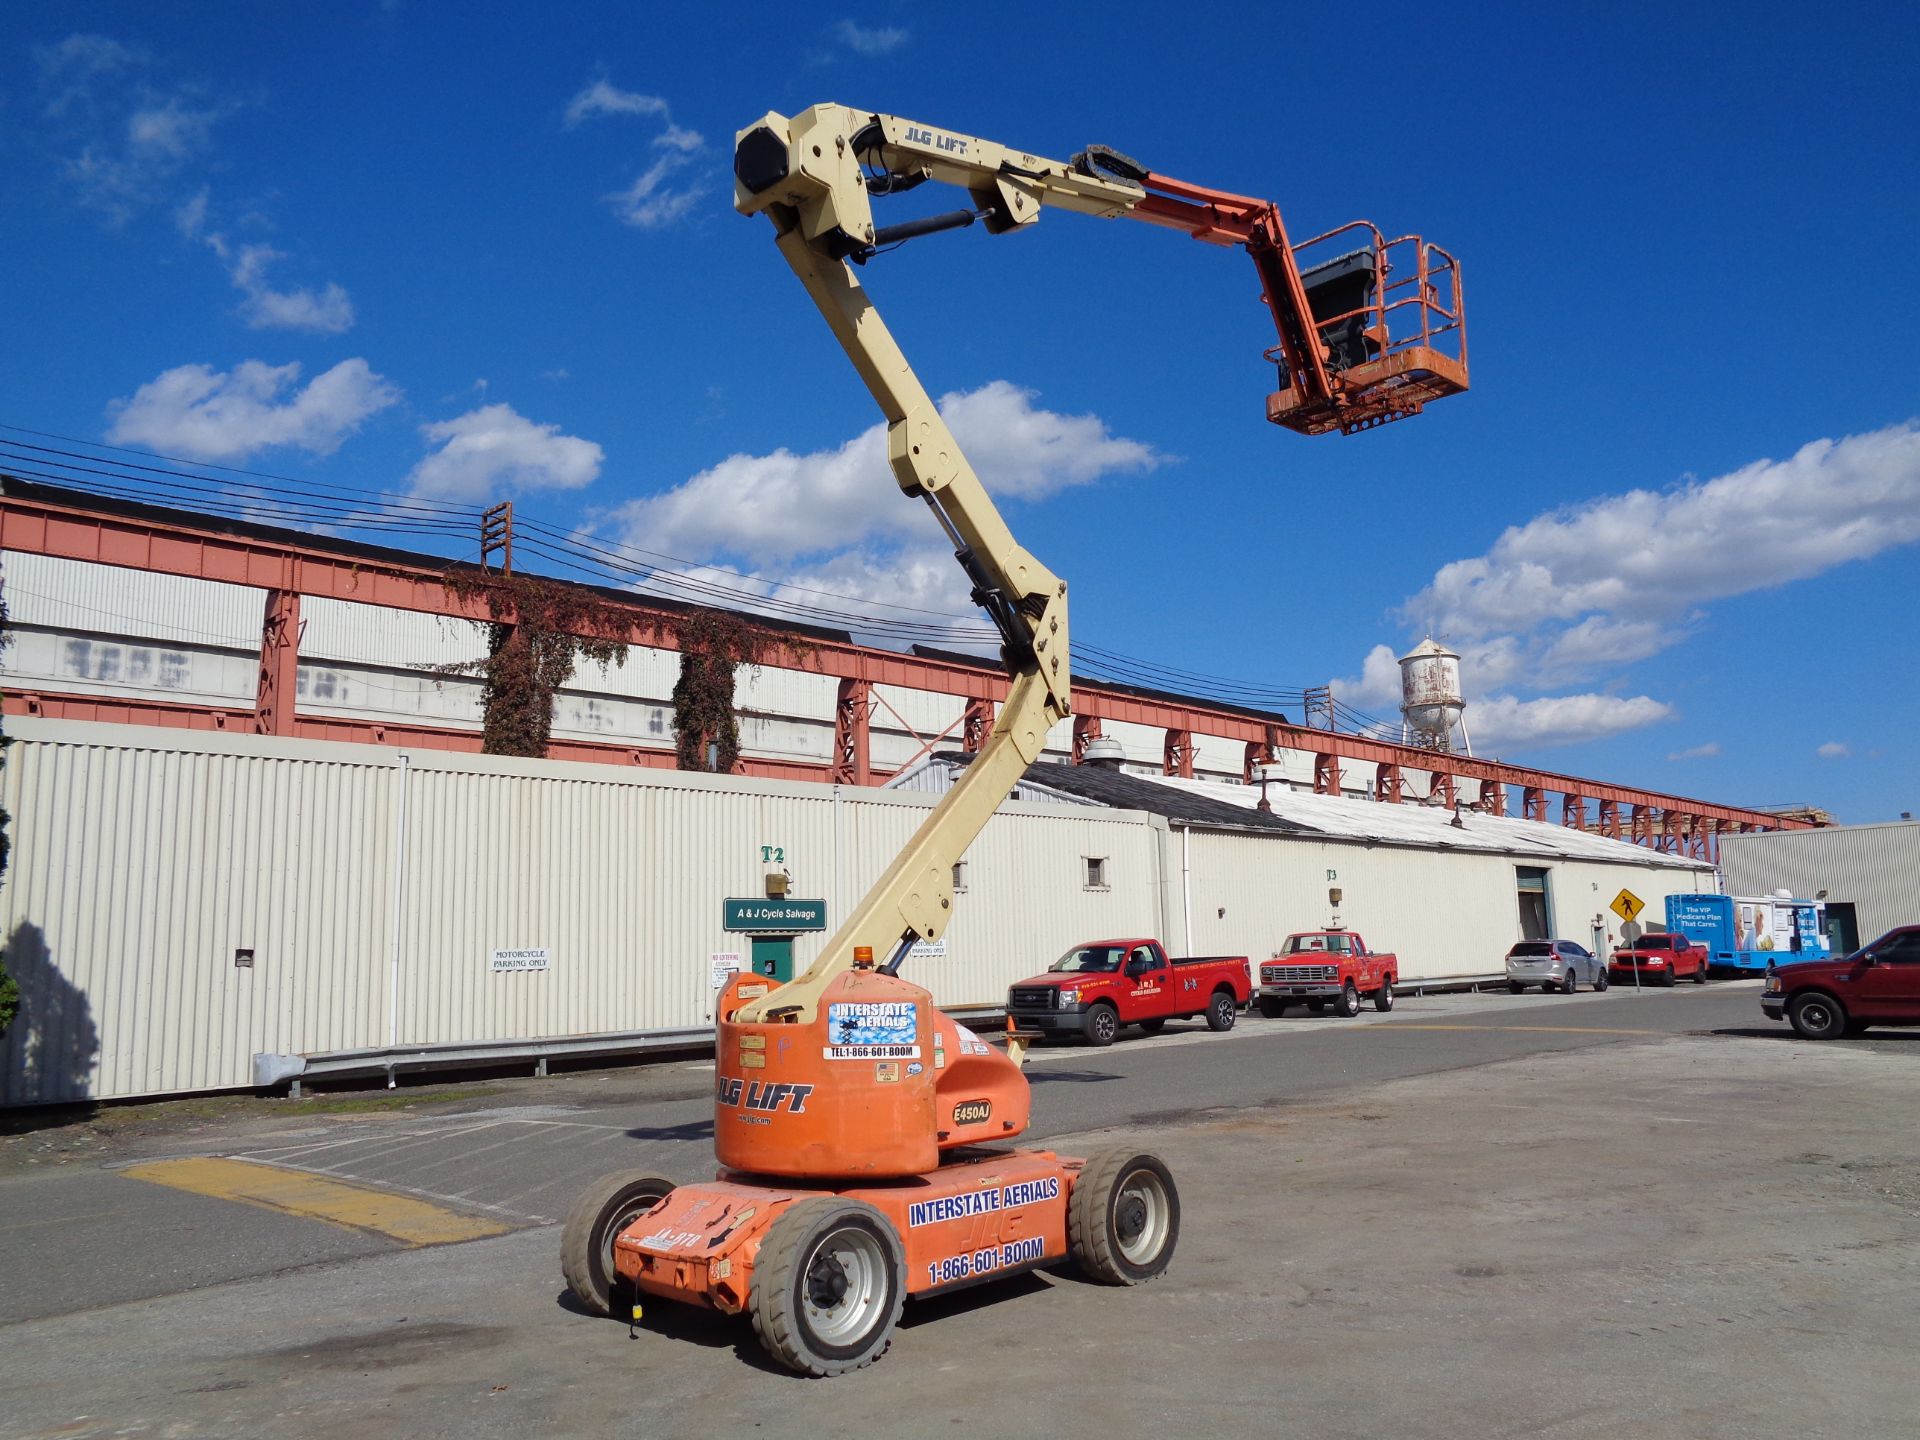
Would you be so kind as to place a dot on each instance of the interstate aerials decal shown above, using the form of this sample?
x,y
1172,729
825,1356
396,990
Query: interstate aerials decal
x,y
873,1030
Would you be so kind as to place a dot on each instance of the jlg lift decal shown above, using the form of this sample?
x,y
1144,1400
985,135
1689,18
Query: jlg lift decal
x,y
873,1030
764,1095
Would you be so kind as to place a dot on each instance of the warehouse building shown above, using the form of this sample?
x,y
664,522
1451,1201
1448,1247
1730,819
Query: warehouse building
x,y
1868,876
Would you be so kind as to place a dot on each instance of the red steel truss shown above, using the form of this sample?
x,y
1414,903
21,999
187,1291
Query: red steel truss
x,y
288,567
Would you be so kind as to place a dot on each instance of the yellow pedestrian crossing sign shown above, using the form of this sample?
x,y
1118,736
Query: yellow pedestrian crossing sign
x,y
1627,905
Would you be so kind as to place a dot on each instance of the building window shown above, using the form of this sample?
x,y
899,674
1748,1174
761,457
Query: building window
x,y
959,877
1096,872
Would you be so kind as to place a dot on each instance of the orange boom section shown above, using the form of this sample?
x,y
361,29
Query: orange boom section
x,y
875,1086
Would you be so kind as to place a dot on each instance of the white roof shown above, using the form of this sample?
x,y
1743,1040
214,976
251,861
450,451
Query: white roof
x,y
1431,826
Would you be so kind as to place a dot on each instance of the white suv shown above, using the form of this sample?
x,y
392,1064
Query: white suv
x,y
1553,965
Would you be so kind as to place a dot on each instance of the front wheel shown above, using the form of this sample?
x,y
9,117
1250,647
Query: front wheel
x,y
1817,1017
604,1209
1383,997
1103,1023
1221,1011
828,1286
1349,1002
1316,1006
1271,1008
1123,1217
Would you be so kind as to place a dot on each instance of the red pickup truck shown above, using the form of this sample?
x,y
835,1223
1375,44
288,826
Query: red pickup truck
x,y
1318,966
1659,958
1095,988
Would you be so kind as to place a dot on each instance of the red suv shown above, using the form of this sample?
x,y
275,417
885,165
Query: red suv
x,y
1877,985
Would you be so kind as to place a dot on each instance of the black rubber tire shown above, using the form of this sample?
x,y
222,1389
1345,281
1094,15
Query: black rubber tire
x,y
1154,1026
1571,984
1349,1002
1103,1024
1271,1008
1383,997
604,1209
1222,1011
1316,1006
1516,987
1700,976
1100,1214
1817,1016
1600,981
788,1266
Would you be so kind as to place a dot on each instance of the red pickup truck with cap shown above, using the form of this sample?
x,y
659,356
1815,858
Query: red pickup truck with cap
x,y
1095,988
1322,967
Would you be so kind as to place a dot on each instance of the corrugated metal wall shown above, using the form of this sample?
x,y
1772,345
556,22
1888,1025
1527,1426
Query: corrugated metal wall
x,y
1875,868
1442,914
144,858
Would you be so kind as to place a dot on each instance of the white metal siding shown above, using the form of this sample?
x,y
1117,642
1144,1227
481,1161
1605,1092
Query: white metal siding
x,y
1876,868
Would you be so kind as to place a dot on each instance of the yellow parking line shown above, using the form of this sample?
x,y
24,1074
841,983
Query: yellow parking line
x,y
318,1197
1530,1029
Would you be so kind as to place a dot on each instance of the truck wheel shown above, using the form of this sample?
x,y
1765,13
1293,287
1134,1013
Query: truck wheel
x,y
1222,1011
1153,1027
1103,1023
1316,1006
1383,997
1271,1008
828,1286
1816,1016
1349,1002
1700,975
1123,1217
604,1209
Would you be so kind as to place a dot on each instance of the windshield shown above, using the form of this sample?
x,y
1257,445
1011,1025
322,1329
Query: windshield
x,y
1090,959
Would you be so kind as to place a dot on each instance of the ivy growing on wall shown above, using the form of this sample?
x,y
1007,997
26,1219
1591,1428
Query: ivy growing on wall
x,y
537,631
714,644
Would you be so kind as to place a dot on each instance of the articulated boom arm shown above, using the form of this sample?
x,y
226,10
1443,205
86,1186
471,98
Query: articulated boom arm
x,y
815,176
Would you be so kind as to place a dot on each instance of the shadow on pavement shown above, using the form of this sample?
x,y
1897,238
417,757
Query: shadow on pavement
x,y
1069,1077
691,1130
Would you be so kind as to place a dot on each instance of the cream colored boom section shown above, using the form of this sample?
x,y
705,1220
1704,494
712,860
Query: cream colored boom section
x,y
804,174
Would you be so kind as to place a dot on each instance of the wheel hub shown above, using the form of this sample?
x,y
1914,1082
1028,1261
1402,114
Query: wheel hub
x,y
1130,1218
827,1282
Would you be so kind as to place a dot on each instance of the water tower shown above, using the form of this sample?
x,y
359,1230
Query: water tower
x,y
1431,709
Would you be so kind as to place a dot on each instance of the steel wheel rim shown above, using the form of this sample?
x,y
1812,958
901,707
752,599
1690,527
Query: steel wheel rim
x,y
1817,1015
1103,1025
1142,1212
624,1217
843,1287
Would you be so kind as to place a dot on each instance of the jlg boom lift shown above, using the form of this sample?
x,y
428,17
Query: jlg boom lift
x,y
856,1126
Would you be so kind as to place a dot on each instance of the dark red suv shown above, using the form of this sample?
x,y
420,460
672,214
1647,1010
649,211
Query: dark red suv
x,y
1877,985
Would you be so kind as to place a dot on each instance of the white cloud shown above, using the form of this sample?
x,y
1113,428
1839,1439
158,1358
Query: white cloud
x,y
870,40
602,98
1833,750
648,203
203,414
494,449
69,68
169,131
1378,683
776,508
327,311
1502,722
678,137
1697,752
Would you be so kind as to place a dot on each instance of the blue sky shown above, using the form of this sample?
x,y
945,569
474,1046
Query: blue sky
x,y
1672,528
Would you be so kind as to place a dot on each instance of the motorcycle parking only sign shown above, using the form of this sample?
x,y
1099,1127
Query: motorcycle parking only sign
x,y
873,1030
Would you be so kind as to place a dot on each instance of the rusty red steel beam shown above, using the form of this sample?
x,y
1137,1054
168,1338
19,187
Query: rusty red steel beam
x,y
42,526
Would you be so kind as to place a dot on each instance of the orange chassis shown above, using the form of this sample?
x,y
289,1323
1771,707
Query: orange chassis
x,y
980,1216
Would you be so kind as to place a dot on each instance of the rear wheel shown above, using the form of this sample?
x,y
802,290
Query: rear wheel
x,y
604,1209
1383,997
828,1286
1316,1006
1271,1008
1349,1002
1123,1217
1154,1026
1103,1023
1817,1017
1516,987
1572,982
1700,975
1222,1011
1600,981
